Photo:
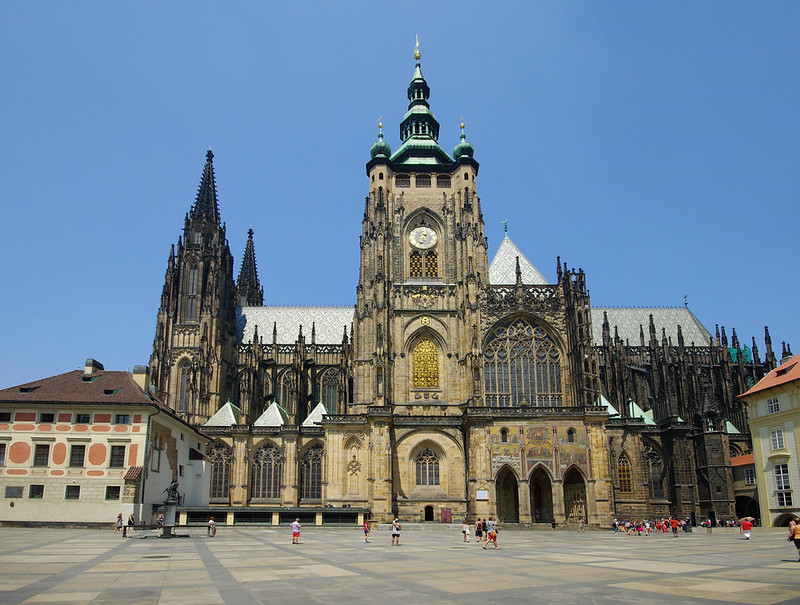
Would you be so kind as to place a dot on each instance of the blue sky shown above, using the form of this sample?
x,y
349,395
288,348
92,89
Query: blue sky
x,y
655,145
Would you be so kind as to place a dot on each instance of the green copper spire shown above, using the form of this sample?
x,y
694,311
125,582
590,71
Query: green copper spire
x,y
380,147
463,149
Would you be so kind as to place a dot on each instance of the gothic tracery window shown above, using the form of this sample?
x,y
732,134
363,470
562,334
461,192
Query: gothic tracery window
x,y
329,389
624,474
221,458
266,473
655,472
191,293
522,366
423,264
311,474
184,394
427,468
425,365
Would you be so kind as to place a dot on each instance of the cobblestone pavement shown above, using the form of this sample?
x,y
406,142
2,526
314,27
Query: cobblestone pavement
x,y
431,566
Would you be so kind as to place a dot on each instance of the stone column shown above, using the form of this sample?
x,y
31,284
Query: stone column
x,y
524,495
239,478
290,471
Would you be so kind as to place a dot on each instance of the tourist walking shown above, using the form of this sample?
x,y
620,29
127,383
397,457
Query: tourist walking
x,y
674,524
794,536
465,531
478,531
131,523
396,527
118,524
296,531
580,525
366,531
212,527
553,524
746,526
491,533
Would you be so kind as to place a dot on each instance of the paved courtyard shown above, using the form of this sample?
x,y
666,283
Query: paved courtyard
x,y
431,566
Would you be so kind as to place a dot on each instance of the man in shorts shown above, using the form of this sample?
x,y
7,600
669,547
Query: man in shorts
x,y
296,531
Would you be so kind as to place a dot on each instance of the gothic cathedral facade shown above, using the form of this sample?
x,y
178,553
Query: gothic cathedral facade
x,y
454,387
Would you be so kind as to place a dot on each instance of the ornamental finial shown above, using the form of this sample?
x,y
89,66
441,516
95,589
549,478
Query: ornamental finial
x,y
505,226
416,50
380,125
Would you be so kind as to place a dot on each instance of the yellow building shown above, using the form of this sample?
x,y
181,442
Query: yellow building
x,y
773,405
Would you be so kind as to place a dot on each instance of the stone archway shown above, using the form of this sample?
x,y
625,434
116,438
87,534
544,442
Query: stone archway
x,y
507,492
747,507
428,514
541,496
574,496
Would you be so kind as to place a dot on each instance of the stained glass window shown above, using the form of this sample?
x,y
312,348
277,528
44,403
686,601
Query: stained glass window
x,y
624,475
266,473
311,474
425,365
427,468
221,458
522,366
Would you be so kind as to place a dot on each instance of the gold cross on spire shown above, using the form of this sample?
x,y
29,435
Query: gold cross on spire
x,y
416,50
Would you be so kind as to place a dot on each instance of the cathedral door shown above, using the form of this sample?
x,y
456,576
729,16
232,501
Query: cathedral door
x,y
541,497
507,497
574,496
429,513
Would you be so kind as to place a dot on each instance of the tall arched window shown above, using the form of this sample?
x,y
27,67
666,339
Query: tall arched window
x,y
522,366
311,474
415,265
427,468
655,472
192,280
185,395
431,264
624,474
221,458
266,473
423,263
425,365
329,390
284,391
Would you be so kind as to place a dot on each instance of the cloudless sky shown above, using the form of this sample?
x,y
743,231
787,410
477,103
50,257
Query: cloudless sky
x,y
654,144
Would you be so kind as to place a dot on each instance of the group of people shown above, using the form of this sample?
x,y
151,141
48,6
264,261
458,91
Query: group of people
x,y
647,527
119,523
485,531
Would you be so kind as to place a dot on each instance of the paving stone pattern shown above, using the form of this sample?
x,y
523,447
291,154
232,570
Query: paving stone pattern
x,y
432,565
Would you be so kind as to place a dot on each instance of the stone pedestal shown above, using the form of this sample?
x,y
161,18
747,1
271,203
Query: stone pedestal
x,y
169,518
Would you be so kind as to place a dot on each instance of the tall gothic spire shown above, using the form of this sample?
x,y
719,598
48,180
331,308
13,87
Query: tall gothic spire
x,y
205,206
249,292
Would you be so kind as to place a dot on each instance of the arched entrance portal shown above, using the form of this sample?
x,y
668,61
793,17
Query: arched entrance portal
x,y
541,496
574,496
429,513
507,496
746,507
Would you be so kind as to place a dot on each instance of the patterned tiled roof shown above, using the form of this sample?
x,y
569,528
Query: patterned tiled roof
x,y
329,323
628,319
503,270
227,415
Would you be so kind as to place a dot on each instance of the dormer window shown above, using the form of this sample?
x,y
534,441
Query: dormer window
x,y
424,180
443,181
402,180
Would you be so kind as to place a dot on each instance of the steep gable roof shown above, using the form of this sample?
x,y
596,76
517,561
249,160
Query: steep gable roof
x,y
503,269
274,415
629,320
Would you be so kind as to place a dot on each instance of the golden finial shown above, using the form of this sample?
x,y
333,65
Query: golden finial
x,y
461,120
416,50
380,124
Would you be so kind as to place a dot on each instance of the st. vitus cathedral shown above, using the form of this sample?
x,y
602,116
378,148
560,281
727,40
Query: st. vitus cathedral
x,y
453,388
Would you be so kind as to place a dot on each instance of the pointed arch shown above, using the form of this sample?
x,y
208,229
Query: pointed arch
x,y
541,466
624,474
522,365
655,467
221,460
508,468
185,384
352,442
425,364
266,472
427,467
311,459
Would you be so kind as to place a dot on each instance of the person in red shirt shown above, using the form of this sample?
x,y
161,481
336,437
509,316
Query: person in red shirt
x,y
746,527
674,523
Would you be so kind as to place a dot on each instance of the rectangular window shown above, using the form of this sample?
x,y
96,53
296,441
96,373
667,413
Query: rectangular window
x,y
112,492
117,459
784,498
77,455
402,180
41,455
122,419
73,492
47,417
83,418
36,492
776,435
749,476
13,491
155,460
443,180
782,476
180,470
773,405
2,454
5,416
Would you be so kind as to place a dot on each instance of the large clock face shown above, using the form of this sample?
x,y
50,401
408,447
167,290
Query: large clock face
x,y
423,237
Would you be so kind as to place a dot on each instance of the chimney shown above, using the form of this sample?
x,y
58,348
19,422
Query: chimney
x,y
141,375
92,366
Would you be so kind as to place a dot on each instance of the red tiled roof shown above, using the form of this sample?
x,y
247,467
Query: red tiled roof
x,y
133,473
100,386
743,460
789,371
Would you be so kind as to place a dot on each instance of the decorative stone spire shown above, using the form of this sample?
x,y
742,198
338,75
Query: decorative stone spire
x,y
419,121
205,206
249,292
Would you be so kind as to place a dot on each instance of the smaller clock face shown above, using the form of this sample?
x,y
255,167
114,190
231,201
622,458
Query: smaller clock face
x,y
423,237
